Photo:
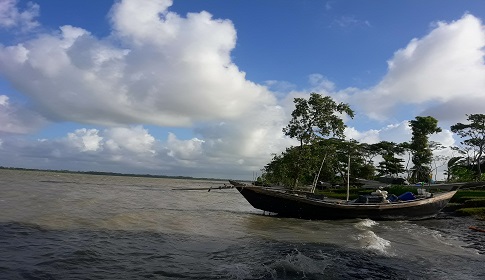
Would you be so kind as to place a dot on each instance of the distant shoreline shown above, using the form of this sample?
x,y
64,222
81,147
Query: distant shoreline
x,y
112,174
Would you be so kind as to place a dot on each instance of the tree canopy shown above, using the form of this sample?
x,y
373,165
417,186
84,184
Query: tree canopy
x,y
421,128
318,125
317,117
312,120
473,135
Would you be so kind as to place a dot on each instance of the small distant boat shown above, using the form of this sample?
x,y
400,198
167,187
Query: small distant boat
x,y
308,206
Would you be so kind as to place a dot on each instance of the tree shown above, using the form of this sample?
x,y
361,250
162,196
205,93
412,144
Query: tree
x,y
368,152
406,146
391,165
437,160
280,170
421,128
474,138
454,165
315,118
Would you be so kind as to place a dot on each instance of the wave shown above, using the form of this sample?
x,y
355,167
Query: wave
x,y
369,240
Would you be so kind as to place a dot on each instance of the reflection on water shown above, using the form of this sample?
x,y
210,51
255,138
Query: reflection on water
x,y
68,226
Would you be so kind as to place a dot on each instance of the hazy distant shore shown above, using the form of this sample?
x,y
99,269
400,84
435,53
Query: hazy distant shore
x,y
111,173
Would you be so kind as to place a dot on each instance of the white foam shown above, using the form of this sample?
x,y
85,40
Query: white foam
x,y
371,241
365,224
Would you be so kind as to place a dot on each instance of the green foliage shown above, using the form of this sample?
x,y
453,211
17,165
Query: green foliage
x,y
391,165
281,171
313,120
473,144
317,117
422,127
317,124
460,173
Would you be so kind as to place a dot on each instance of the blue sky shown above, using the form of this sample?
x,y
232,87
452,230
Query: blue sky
x,y
203,88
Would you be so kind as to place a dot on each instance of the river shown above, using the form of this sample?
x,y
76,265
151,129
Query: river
x,y
78,226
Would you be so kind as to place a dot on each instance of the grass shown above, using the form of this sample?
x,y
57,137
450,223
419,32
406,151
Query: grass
x,y
464,195
477,212
476,202
469,203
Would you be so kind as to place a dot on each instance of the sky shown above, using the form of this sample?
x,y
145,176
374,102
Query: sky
x,y
204,88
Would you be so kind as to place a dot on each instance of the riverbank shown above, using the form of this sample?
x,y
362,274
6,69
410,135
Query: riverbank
x,y
468,203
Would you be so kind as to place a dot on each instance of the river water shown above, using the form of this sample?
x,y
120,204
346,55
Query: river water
x,y
76,226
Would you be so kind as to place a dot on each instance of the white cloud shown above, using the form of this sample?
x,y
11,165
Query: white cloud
x,y
3,100
444,66
184,149
369,137
134,139
320,83
134,149
445,138
12,17
85,140
168,71
18,119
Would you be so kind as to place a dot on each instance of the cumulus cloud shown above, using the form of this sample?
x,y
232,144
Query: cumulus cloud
x,y
135,139
11,17
18,119
441,68
85,140
134,149
184,149
84,149
156,68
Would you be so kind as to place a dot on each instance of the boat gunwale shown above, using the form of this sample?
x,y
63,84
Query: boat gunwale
x,y
342,204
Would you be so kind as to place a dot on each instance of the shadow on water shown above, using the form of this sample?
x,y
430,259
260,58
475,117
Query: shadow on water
x,y
34,252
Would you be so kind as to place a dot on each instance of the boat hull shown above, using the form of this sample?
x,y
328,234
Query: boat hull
x,y
299,206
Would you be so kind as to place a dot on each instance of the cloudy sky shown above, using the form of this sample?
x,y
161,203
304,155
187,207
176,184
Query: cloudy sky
x,y
204,88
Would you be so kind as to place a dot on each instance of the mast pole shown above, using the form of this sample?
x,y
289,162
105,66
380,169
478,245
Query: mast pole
x,y
315,181
348,178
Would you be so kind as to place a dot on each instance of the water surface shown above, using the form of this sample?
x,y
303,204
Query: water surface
x,y
76,226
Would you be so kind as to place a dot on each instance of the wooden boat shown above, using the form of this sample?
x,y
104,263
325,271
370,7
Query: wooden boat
x,y
307,206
